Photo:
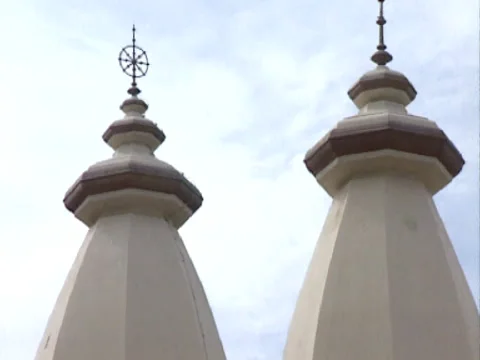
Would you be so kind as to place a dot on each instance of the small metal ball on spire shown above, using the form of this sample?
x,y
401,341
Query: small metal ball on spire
x,y
134,62
381,56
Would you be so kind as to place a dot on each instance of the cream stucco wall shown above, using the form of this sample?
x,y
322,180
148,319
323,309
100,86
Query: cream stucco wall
x,y
132,294
384,281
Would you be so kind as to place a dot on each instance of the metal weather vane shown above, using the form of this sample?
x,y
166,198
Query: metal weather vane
x,y
134,62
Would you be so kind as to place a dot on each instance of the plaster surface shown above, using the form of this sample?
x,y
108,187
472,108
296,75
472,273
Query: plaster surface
x,y
132,294
384,281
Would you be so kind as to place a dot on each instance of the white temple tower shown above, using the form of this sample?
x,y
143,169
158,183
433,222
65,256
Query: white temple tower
x,y
133,292
384,282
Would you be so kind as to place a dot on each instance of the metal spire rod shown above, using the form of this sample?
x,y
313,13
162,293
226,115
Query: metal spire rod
x,y
134,60
381,56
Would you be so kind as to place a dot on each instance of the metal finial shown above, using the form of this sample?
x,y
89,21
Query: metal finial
x,y
134,62
381,56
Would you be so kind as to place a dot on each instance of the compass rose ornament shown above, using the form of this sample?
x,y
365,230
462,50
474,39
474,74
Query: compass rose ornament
x,y
134,62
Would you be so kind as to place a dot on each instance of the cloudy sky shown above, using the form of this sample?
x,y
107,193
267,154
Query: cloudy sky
x,y
242,89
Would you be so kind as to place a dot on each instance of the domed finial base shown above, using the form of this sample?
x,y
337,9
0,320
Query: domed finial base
x,y
134,90
381,57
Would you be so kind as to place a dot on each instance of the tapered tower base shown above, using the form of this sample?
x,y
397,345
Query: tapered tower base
x,y
132,294
384,281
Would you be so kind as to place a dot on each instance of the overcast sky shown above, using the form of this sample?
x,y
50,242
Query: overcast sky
x,y
242,90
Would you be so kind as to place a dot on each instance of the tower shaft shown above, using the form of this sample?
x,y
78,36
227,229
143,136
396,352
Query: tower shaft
x,y
384,281
132,294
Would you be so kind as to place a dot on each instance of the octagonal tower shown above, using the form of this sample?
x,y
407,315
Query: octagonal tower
x,y
133,292
384,281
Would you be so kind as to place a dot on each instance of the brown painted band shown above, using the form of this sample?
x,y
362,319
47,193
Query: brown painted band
x,y
384,81
124,126
394,135
135,176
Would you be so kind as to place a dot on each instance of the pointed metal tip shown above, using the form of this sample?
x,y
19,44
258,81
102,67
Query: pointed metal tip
x,y
381,56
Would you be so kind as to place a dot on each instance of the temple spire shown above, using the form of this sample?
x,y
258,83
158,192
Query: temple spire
x,y
381,56
133,292
384,281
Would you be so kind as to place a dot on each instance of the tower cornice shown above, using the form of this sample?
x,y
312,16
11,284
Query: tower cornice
x,y
388,132
132,174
